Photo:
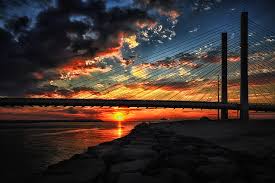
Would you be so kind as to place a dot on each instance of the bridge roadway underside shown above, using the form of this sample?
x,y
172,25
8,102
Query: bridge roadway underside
x,y
11,102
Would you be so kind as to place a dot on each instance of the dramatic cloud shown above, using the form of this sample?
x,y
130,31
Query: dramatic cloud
x,y
57,92
15,69
18,25
169,8
72,28
72,38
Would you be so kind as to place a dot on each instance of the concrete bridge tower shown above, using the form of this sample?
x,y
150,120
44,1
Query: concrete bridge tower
x,y
244,115
224,112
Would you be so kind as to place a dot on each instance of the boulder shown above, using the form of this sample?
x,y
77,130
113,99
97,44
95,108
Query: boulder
x,y
74,171
130,166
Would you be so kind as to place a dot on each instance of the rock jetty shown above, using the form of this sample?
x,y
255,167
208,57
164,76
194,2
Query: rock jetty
x,y
157,155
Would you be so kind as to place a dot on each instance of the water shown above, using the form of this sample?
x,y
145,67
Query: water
x,y
30,148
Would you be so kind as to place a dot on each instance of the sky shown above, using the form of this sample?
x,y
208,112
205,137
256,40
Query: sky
x,y
130,49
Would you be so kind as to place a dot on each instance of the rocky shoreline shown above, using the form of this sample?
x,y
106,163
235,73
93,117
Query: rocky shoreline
x,y
153,154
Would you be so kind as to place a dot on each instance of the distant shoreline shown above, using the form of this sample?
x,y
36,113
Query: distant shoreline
x,y
98,120
49,121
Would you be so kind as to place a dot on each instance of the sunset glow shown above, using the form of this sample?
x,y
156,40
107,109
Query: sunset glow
x,y
130,90
150,56
119,116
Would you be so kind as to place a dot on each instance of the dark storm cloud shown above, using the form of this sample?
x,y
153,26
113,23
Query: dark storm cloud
x,y
50,91
62,31
15,70
17,25
57,36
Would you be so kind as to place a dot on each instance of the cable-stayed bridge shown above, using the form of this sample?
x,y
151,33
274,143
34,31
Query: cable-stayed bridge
x,y
188,74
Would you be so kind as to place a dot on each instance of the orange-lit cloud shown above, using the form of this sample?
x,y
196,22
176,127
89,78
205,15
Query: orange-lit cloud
x,y
131,41
173,14
38,75
234,59
85,66
79,67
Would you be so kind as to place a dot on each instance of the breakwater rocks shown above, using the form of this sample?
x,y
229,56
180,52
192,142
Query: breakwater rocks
x,y
155,155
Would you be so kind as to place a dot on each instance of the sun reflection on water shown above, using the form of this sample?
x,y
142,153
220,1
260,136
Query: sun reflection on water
x,y
119,129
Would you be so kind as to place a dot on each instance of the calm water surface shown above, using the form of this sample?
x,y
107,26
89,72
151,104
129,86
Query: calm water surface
x,y
30,148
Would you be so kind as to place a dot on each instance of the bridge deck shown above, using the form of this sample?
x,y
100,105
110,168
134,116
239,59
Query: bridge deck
x,y
128,103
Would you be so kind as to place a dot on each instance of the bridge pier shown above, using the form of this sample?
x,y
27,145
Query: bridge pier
x,y
224,112
244,112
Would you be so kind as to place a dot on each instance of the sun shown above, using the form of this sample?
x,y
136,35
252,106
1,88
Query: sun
x,y
119,116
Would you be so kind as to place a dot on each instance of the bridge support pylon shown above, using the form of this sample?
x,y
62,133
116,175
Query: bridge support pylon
x,y
224,112
244,112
